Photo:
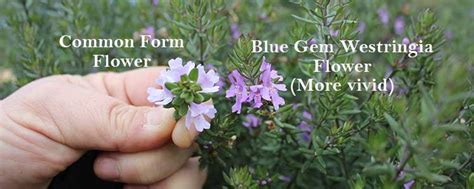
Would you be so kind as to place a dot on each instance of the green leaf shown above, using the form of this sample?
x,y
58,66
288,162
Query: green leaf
x,y
304,19
177,101
206,97
395,126
470,181
183,109
193,75
171,86
198,98
285,108
348,112
189,98
378,170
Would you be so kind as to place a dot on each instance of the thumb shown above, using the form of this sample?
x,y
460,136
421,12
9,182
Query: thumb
x,y
86,119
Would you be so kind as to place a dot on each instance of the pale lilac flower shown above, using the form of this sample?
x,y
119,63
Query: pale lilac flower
x,y
176,70
401,175
238,89
408,184
448,34
270,89
399,25
285,178
383,15
294,106
252,121
198,115
361,27
234,30
163,96
221,82
333,33
207,80
263,16
155,2
159,96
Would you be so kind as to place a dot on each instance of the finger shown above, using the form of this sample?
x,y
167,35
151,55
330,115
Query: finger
x,y
182,136
130,87
189,176
95,121
142,167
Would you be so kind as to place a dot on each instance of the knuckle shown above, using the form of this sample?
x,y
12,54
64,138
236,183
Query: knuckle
x,y
121,119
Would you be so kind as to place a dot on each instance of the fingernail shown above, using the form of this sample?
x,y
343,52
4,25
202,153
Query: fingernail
x,y
191,131
109,169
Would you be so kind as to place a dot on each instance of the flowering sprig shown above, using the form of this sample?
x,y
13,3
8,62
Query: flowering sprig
x,y
186,88
266,87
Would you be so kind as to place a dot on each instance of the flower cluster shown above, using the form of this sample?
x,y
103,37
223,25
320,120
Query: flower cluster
x,y
305,127
148,31
265,88
187,88
252,121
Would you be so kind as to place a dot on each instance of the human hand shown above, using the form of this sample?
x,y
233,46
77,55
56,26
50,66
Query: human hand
x,y
48,124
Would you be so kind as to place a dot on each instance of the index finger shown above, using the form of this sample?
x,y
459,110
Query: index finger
x,y
130,86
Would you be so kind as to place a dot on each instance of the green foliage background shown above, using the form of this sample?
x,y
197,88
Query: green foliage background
x,y
360,140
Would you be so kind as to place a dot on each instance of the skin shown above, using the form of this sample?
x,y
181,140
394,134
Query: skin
x,y
48,124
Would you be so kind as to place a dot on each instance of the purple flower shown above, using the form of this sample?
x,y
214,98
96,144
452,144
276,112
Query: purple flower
x,y
285,178
411,45
198,115
305,131
305,127
148,31
270,89
311,41
361,27
234,30
408,184
265,88
405,41
155,2
307,115
333,33
399,25
383,15
256,96
252,121
238,88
